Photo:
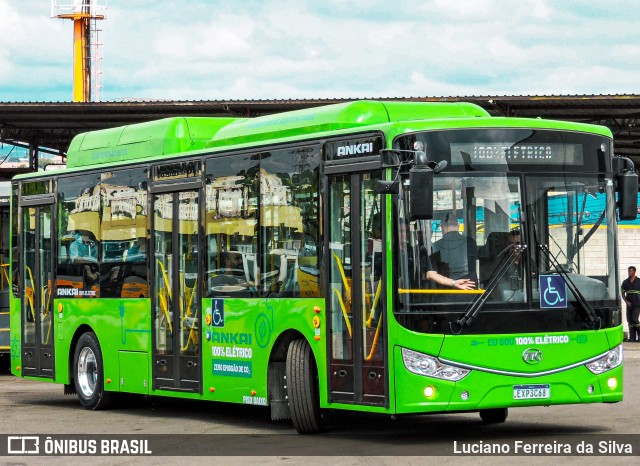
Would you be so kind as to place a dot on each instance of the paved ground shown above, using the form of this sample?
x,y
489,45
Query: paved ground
x,y
39,408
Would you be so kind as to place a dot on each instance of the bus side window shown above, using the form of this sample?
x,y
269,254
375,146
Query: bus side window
x,y
231,226
77,232
124,226
289,217
285,183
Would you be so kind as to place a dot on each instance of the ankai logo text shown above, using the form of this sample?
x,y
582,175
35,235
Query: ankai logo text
x,y
364,148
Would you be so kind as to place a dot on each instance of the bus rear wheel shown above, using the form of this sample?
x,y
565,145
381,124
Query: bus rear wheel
x,y
494,416
302,388
89,373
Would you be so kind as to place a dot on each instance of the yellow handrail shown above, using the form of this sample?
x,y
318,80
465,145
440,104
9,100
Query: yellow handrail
x,y
5,274
344,311
188,314
375,303
166,279
347,293
344,277
375,340
190,339
46,313
164,305
405,291
30,300
192,293
370,319
165,308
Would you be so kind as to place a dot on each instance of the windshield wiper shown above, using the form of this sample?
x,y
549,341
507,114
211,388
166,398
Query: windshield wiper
x,y
474,307
593,229
589,312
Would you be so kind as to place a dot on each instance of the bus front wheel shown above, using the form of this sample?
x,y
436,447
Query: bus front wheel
x,y
494,416
302,388
89,373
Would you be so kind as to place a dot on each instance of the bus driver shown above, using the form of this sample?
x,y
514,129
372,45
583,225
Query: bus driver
x,y
455,255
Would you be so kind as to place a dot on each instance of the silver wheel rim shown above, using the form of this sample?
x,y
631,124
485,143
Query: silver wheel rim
x,y
87,372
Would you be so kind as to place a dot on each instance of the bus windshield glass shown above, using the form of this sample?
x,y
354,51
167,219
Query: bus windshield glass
x,y
536,244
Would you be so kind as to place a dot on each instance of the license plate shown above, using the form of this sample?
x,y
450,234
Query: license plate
x,y
531,392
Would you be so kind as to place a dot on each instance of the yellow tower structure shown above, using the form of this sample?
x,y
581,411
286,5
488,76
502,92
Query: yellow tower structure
x,y
86,44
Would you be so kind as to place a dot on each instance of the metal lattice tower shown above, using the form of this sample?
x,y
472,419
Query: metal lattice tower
x,y
87,57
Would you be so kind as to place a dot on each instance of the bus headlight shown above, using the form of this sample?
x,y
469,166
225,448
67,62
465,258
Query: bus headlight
x,y
422,364
608,361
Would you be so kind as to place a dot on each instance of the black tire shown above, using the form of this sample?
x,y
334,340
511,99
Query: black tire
x,y
88,373
302,388
494,416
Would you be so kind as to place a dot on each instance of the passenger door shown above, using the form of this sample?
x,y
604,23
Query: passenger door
x,y
176,296
37,299
355,298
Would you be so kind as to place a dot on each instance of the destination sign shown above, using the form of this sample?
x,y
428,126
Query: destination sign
x,y
33,188
478,153
177,171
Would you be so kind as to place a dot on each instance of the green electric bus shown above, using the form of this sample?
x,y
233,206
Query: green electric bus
x,y
312,260
5,189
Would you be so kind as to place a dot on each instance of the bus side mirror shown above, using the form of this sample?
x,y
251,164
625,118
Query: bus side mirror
x,y
627,195
421,192
389,158
387,187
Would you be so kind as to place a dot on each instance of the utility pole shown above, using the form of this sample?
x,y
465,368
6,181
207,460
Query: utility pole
x,y
86,44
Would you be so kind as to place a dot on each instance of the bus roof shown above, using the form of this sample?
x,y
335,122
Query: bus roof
x,y
339,116
182,134
143,140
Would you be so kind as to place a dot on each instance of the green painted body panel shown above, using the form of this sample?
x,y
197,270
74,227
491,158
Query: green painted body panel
x,y
358,115
15,337
236,357
119,324
134,372
123,329
497,122
504,353
142,140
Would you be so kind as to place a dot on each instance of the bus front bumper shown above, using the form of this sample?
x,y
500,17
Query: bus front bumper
x,y
485,390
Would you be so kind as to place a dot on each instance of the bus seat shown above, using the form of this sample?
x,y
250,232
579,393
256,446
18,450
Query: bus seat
x,y
250,266
492,253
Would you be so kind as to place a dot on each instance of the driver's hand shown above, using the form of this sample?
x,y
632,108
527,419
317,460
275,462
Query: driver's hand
x,y
464,284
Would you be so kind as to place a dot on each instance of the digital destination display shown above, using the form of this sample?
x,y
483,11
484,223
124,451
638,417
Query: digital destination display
x,y
177,171
478,153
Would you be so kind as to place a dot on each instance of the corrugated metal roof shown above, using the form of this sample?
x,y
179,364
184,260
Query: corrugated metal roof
x,y
53,124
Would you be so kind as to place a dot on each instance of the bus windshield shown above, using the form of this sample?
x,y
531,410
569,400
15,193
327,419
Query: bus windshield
x,y
536,244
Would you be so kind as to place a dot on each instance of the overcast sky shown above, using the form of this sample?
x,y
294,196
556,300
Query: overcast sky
x,y
289,49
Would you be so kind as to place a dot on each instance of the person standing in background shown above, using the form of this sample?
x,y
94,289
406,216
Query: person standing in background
x,y
631,294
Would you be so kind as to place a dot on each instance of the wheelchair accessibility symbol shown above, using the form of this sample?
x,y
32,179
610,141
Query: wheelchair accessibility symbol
x,y
217,312
553,291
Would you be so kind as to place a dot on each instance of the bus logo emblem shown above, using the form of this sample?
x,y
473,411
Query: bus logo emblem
x,y
532,356
355,149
